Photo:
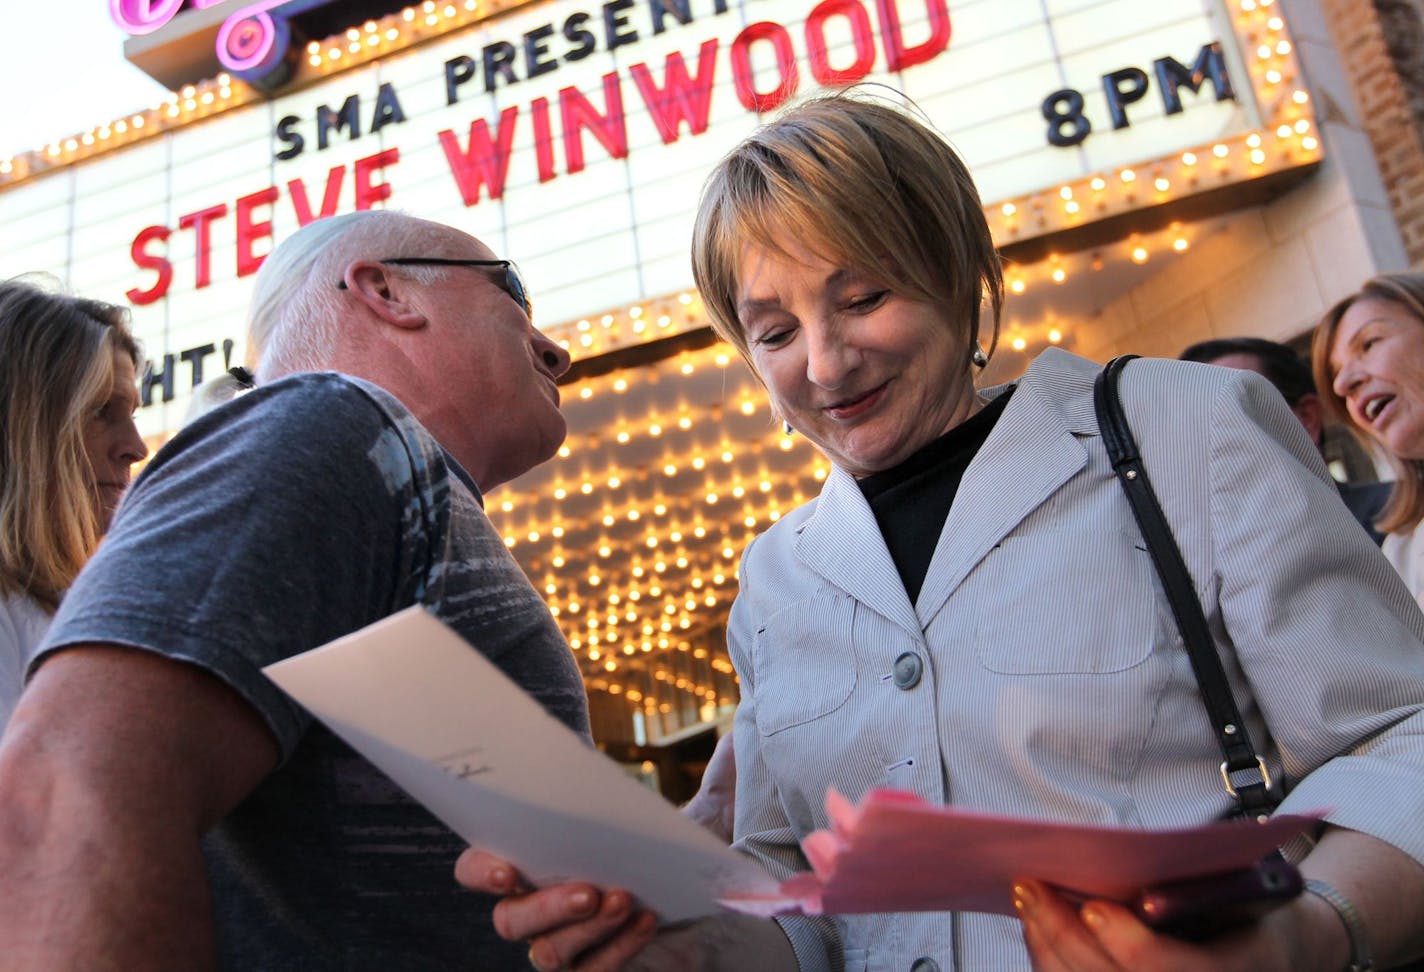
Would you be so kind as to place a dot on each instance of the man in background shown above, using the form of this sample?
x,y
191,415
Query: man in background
x,y
1285,369
162,804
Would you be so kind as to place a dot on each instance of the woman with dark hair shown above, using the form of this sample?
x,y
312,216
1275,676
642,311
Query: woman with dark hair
x,y
67,440
1368,355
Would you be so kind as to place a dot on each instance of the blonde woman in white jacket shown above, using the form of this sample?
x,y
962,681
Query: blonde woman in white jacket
x,y
968,610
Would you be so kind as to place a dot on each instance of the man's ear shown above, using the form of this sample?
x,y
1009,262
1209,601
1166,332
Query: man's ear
x,y
384,294
1311,412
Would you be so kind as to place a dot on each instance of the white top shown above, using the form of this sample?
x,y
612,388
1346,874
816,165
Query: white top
x,y
1406,552
22,624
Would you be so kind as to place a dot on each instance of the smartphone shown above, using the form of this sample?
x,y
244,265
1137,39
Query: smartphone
x,y
1204,907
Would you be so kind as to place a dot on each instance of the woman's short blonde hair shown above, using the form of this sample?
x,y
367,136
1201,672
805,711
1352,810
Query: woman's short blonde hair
x,y
56,366
863,185
1405,508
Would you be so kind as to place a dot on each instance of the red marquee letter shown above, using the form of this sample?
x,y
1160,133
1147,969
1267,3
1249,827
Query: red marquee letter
x,y
543,139
150,261
681,99
367,194
785,66
329,200
249,231
482,164
201,223
897,54
861,33
578,113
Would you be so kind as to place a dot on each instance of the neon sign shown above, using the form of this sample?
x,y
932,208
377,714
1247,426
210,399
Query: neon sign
x,y
252,43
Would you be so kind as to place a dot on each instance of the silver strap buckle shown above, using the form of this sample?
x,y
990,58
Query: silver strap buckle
x,y
1260,765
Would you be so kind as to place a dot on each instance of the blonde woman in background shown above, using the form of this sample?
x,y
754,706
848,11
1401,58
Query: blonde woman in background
x,y
1369,366
68,393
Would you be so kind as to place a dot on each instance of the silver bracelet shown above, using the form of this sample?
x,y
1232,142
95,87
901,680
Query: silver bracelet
x,y
1360,960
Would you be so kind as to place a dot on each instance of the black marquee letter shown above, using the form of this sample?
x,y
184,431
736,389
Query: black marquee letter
x,y
1119,97
1210,65
458,70
1061,110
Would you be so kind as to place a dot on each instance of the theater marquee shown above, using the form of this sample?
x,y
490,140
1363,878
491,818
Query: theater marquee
x,y
574,137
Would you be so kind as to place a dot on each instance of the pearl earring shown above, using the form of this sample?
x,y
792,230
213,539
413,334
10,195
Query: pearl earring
x,y
978,357
787,429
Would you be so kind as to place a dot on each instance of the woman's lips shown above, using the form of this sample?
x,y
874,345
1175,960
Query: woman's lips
x,y
1377,409
850,408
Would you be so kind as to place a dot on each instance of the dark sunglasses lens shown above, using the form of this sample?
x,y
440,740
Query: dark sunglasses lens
x,y
516,289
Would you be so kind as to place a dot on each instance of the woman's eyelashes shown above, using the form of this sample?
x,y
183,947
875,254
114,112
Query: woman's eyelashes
x,y
775,339
867,302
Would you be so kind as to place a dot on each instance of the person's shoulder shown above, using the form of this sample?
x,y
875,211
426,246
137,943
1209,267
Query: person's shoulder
x,y
306,408
23,611
320,393
1068,380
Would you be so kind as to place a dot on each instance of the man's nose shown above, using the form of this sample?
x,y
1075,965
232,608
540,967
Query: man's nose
x,y
554,358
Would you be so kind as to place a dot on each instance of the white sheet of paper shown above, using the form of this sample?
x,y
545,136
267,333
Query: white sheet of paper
x,y
451,729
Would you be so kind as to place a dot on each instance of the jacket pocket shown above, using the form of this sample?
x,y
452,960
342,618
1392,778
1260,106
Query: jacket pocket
x,y
804,662
1067,602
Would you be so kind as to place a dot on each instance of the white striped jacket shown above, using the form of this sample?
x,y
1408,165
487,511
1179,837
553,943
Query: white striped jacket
x,y
1054,681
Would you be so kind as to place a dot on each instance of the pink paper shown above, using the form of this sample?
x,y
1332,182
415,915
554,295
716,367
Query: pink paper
x,y
894,852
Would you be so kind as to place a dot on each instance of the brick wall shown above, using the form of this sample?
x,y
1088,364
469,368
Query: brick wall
x,y
1381,46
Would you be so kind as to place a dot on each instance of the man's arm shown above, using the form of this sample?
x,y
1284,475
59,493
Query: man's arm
x,y
115,763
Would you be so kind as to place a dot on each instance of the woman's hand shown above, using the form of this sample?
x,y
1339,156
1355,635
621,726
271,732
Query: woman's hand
x,y
1104,937
573,926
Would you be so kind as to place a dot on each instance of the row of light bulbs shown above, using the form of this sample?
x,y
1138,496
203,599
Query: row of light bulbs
x,y
189,103
393,31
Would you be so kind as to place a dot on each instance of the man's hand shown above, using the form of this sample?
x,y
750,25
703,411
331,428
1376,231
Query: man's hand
x,y
579,927
568,926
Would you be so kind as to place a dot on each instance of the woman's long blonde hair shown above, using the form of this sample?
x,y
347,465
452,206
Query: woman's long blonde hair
x,y
1405,508
56,365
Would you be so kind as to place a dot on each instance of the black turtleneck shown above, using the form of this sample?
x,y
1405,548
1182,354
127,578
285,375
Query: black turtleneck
x,y
912,500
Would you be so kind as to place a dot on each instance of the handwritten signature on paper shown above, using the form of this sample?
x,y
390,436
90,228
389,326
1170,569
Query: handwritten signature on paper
x,y
464,764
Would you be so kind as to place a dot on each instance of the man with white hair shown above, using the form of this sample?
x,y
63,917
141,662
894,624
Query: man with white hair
x,y
162,804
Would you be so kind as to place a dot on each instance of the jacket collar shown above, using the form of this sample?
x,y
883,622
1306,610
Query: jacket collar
x,y
1032,451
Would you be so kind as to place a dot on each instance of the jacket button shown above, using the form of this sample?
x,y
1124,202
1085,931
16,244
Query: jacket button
x,y
908,669
925,964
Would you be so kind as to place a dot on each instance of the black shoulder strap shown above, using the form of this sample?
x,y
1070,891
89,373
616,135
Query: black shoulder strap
x,y
1255,797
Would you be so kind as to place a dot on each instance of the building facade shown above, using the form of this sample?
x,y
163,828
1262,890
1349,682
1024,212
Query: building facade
x,y
1155,174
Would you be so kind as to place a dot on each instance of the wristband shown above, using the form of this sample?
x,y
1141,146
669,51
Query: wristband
x,y
1360,960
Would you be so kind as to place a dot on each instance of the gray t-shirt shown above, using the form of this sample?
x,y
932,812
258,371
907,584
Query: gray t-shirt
x,y
298,513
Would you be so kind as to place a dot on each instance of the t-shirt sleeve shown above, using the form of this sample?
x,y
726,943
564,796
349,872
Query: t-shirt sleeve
x,y
298,514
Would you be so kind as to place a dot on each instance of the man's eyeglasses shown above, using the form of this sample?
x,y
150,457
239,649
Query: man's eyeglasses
x,y
513,283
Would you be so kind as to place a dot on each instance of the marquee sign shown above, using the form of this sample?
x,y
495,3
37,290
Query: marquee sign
x,y
573,136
